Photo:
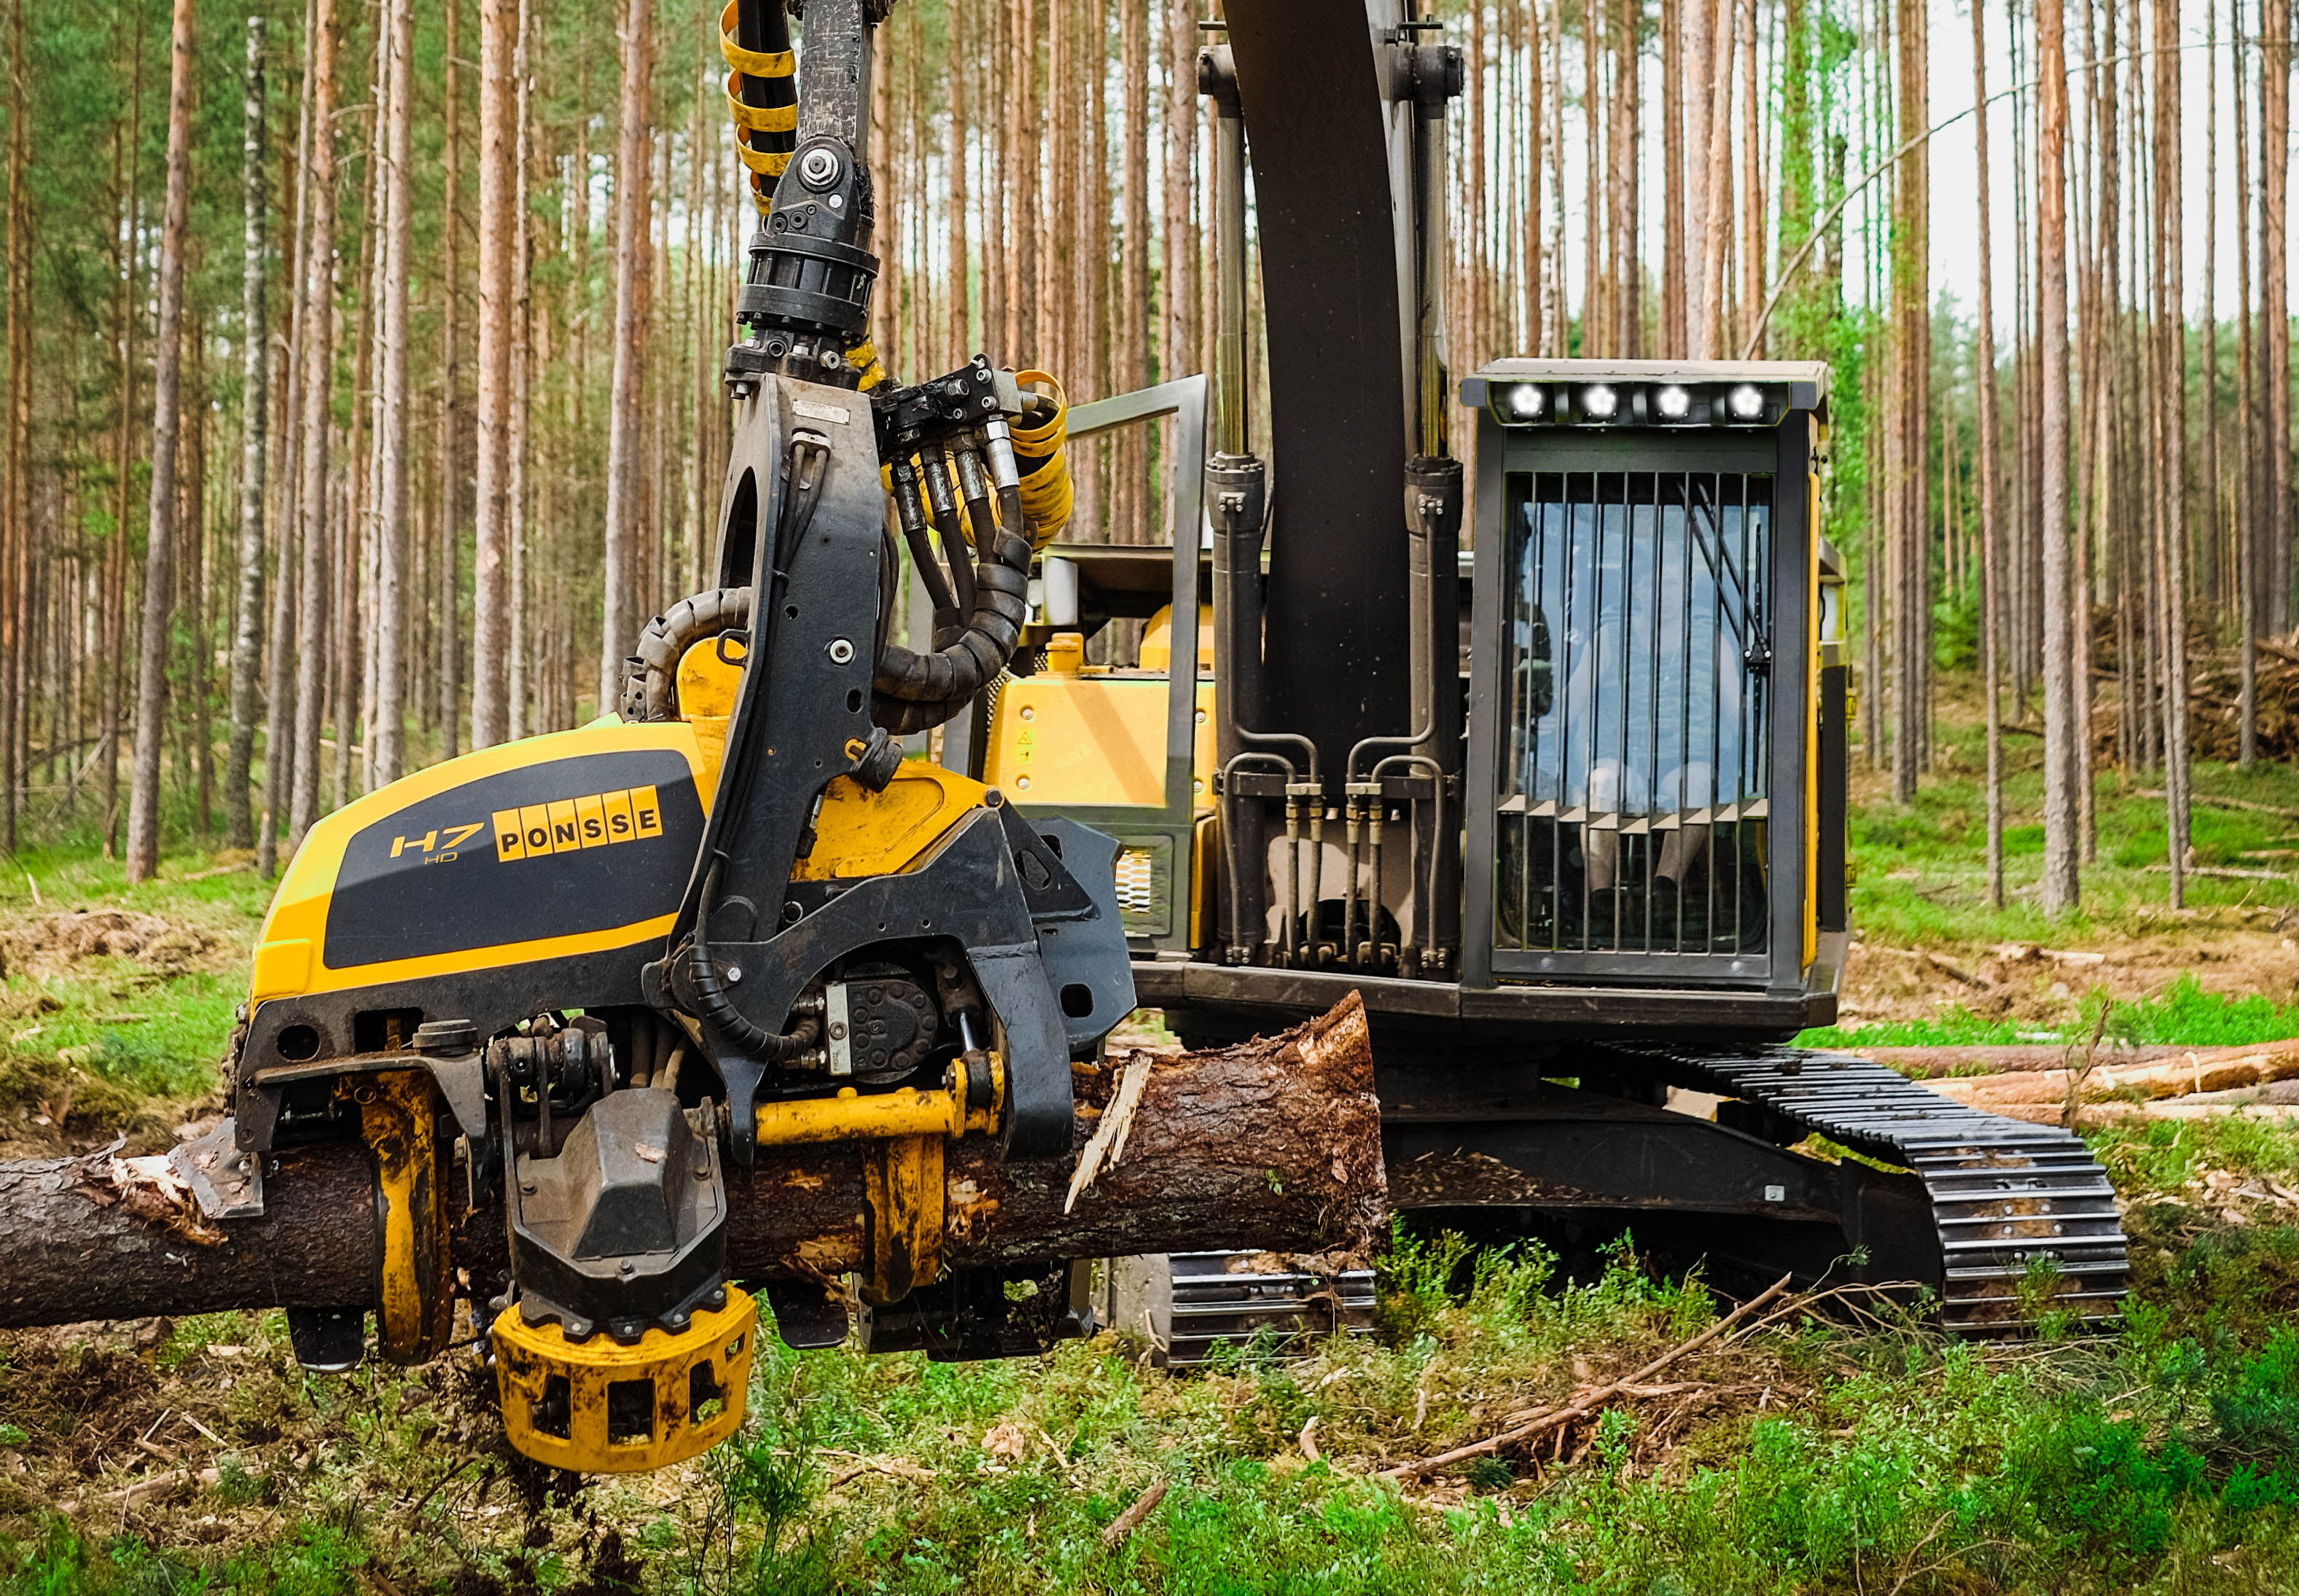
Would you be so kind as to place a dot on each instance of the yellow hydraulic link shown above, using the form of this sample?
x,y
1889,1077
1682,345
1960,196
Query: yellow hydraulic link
x,y
903,1133
414,1307
905,1110
903,1183
599,1407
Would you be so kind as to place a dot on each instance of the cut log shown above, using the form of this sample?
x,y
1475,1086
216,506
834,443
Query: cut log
x,y
1273,1146
2182,1077
82,1239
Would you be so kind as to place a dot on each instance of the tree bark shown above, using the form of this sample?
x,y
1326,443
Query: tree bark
x,y
1697,21
386,727
159,584
489,587
1752,180
451,461
1672,176
1713,334
318,391
279,672
1984,382
247,629
1133,287
634,259
114,620
1273,1146
2171,402
2246,418
1595,337
2272,572
2061,889
15,545
960,42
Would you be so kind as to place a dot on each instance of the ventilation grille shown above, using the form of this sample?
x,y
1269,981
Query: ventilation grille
x,y
1637,644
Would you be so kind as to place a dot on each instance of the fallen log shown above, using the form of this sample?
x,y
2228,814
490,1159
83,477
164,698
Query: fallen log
x,y
1272,1145
2175,1077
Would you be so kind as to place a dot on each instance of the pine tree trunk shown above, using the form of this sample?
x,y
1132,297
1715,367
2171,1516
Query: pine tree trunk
x,y
287,480
385,728
447,601
489,565
318,385
2172,402
1714,335
162,530
2247,511
354,537
2273,567
634,169
1985,465
1672,176
16,546
2061,889
114,622
247,627
1272,1145
1596,337
1696,21
1130,509
1179,352
958,338
1752,185
519,720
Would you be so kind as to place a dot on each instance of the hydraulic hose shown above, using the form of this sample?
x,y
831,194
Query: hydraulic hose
x,y
964,667
710,993
1041,457
762,91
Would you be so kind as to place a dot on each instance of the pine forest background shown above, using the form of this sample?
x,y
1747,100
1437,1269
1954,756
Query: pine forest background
x,y
361,392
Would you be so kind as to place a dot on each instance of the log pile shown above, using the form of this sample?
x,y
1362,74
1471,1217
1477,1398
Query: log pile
x,y
2190,1087
1273,1145
2214,700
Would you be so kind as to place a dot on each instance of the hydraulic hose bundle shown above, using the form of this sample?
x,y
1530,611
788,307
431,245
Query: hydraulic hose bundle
x,y
959,447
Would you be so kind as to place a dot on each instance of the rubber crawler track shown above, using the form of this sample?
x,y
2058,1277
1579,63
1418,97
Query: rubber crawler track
x,y
2013,1202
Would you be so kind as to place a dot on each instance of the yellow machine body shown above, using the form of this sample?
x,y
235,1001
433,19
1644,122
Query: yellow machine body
x,y
524,852
1093,739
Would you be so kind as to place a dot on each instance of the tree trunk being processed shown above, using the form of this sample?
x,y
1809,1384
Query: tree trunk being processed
x,y
159,579
1273,1146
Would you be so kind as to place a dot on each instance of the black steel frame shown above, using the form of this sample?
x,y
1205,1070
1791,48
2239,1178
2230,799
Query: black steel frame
x,y
1786,453
1175,820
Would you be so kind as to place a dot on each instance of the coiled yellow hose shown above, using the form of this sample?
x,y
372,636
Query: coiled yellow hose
x,y
1040,452
764,134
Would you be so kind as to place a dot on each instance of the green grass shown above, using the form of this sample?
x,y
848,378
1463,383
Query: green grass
x,y
124,1037
1921,869
2182,1015
2166,1457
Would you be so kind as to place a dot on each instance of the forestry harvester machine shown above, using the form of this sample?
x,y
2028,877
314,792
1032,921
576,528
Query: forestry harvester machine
x,y
1568,813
